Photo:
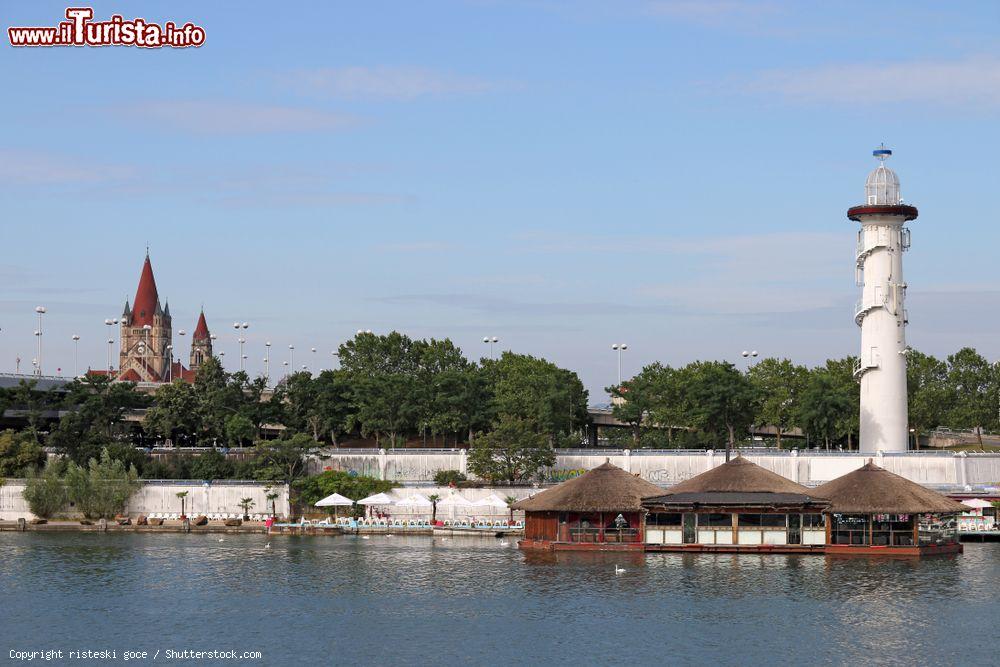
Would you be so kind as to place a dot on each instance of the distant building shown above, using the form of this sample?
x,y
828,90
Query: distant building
x,y
146,353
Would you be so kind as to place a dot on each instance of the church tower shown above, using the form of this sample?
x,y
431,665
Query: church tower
x,y
201,343
145,333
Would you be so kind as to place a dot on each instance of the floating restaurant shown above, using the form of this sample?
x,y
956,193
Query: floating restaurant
x,y
601,510
737,506
873,511
741,507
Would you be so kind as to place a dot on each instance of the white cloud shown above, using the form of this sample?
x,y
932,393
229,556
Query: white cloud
x,y
972,82
223,117
388,82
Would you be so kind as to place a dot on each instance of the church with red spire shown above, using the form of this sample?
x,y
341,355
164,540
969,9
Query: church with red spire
x,y
147,352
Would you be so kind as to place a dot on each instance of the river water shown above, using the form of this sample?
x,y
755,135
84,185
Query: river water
x,y
421,600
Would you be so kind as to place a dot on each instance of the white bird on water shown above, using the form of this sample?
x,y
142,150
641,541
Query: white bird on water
x,y
365,537
619,570
222,539
503,543
267,545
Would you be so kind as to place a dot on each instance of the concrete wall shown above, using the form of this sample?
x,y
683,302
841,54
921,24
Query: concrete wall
x,y
161,496
666,467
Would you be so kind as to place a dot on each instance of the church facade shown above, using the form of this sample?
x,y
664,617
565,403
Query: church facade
x,y
147,353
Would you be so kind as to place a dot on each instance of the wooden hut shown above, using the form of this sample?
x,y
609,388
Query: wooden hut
x,y
737,506
599,510
873,511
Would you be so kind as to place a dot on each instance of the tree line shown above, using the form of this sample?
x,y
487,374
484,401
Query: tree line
x,y
708,403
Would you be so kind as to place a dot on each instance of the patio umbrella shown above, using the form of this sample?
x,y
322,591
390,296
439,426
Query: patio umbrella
x,y
377,499
335,500
454,501
416,500
492,501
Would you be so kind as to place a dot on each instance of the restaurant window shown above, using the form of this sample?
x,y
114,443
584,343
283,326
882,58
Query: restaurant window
x,y
795,529
690,531
762,520
715,520
813,521
663,519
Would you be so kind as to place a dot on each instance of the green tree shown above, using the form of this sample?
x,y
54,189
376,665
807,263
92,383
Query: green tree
x,y
239,430
718,399
448,477
841,375
823,407
778,386
101,489
434,498
312,489
96,417
19,452
246,504
210,465
971,383
513,451
928,397
175,414
283,459
45,493
182,496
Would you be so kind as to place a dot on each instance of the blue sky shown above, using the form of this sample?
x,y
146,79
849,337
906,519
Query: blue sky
x,y
563,175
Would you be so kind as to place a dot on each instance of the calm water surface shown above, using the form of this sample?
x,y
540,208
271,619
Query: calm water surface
x,y
418,600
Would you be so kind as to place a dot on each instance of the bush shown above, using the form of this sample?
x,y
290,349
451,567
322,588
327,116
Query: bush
x,y
212,465
315,488
449,477
46,493
101,489
19,453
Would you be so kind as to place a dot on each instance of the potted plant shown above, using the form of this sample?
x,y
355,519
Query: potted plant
x,y
182,495
246,504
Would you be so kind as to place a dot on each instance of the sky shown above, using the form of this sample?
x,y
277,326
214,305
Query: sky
x,y
670,174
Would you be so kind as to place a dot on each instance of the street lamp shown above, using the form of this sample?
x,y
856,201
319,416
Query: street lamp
x,y
111,341
267,363
749,356
619,347
170,363
110,322
38,334
364,331
492,340
238,326
76,356
291,352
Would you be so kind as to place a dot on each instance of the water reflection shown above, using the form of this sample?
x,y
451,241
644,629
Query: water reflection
x,y
390,599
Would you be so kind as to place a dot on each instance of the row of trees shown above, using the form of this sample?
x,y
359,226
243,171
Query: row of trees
x,y
708,402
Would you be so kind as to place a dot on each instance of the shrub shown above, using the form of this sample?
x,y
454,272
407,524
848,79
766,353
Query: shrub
x,y
46,493
449,477
211,465
19,452
315,488
101,489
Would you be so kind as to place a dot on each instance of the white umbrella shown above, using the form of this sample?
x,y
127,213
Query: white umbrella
x,y
416,500
978,503
454,500
492,500
377,499
335,500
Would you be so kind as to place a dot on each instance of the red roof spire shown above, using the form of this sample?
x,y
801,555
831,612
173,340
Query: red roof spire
x,y
201,330
146,298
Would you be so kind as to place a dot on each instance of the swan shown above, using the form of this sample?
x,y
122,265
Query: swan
x,y
267,546
619,570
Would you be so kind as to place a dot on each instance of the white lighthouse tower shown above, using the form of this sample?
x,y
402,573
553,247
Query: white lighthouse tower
x,y
881,312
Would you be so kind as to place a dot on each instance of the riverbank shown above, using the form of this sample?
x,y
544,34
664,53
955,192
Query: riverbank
x,y
113,527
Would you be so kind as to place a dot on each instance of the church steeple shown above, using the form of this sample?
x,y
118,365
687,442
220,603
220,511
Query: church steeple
x,y
147,301
201,342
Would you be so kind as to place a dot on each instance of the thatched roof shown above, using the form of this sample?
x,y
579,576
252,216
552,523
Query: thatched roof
x,y
739,482
606,488
872,489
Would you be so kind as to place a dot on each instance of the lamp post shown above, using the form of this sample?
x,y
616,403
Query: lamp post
x,y
170,363
619,347
38,334
364,331
291,352
242,340
749,356
76,356
267,363
111,341
492,340
110,322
